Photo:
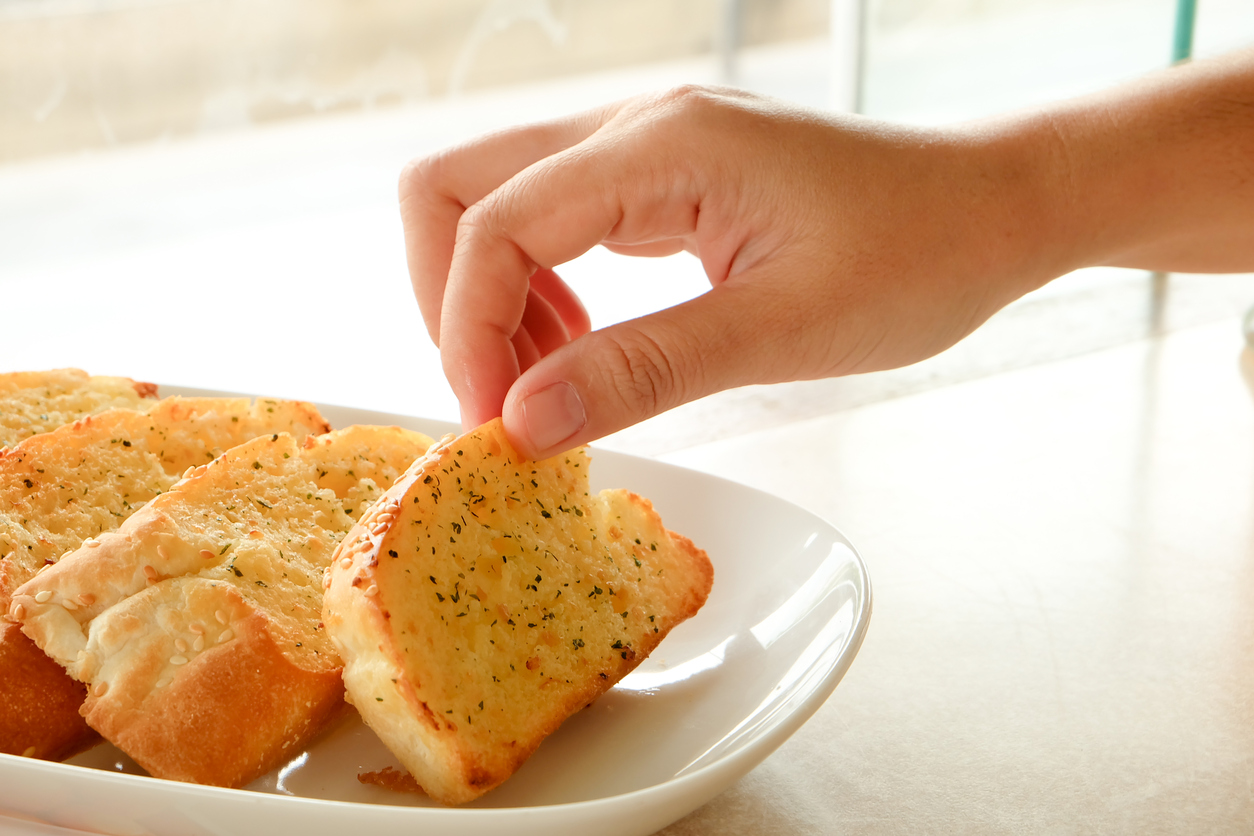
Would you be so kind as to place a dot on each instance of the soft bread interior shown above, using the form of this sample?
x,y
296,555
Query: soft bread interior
x,y
84,479
36,402
487,598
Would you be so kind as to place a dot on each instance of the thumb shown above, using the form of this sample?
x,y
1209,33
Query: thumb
x,y
618,376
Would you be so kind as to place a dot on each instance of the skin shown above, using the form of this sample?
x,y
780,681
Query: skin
x,y
833,243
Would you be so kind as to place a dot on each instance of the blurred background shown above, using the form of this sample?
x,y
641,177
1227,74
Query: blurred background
x,y
202,192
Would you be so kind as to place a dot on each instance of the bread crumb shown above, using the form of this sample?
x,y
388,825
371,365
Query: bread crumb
x,y
392,779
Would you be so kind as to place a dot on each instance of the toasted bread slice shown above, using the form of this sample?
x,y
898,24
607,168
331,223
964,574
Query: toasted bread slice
x,y
487,598
36,402
82,480
196,625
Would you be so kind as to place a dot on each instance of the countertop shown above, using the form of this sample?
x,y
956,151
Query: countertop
x,y
1063,637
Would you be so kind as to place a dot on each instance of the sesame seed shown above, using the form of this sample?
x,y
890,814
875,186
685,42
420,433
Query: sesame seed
x,y
29,753
69,605
346,562
161,553
255,534
199,644
86,599
150,573
221,616
207,555
92,543
101,689
43,596
226,636
197,628
181,645
17,611
372,590
379,529
178,660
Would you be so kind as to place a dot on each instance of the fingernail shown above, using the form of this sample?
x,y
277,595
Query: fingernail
x,y
552,415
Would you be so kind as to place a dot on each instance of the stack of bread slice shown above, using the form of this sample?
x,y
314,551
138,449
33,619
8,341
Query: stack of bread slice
x,y
486,598
196,626
80,481
35,402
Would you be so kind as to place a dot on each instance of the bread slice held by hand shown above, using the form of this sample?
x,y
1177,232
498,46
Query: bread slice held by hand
x,y
196,625
487,598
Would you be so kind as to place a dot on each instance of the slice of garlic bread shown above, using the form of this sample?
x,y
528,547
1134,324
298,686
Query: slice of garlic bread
x,y
36,402
196,625
82,480
487,598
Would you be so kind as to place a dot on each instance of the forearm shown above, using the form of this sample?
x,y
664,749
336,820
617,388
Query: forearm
x,y
1156,175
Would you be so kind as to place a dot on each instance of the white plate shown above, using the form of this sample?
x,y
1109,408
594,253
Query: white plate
x,y
788,612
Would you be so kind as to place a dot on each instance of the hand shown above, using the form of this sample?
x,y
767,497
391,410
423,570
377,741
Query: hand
x,y
833,244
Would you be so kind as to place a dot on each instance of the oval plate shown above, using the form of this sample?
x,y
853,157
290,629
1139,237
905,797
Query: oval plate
x,y
787,614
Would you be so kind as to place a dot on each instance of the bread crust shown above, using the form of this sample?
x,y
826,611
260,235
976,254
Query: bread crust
x,y
385,634
242,696
38,702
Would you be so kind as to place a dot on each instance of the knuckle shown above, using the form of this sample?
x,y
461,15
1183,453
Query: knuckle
x,y
688,97
475,223
413,180
487,220
681,104
423,177
642,373
699,104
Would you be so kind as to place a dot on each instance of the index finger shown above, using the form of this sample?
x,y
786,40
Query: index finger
x,y
435,191
614,185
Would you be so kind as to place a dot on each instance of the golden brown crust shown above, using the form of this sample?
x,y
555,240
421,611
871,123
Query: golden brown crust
x,y
391,779
38,702
243,696
485,599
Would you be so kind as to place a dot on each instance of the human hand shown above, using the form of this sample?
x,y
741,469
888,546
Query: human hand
x,y
833,244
